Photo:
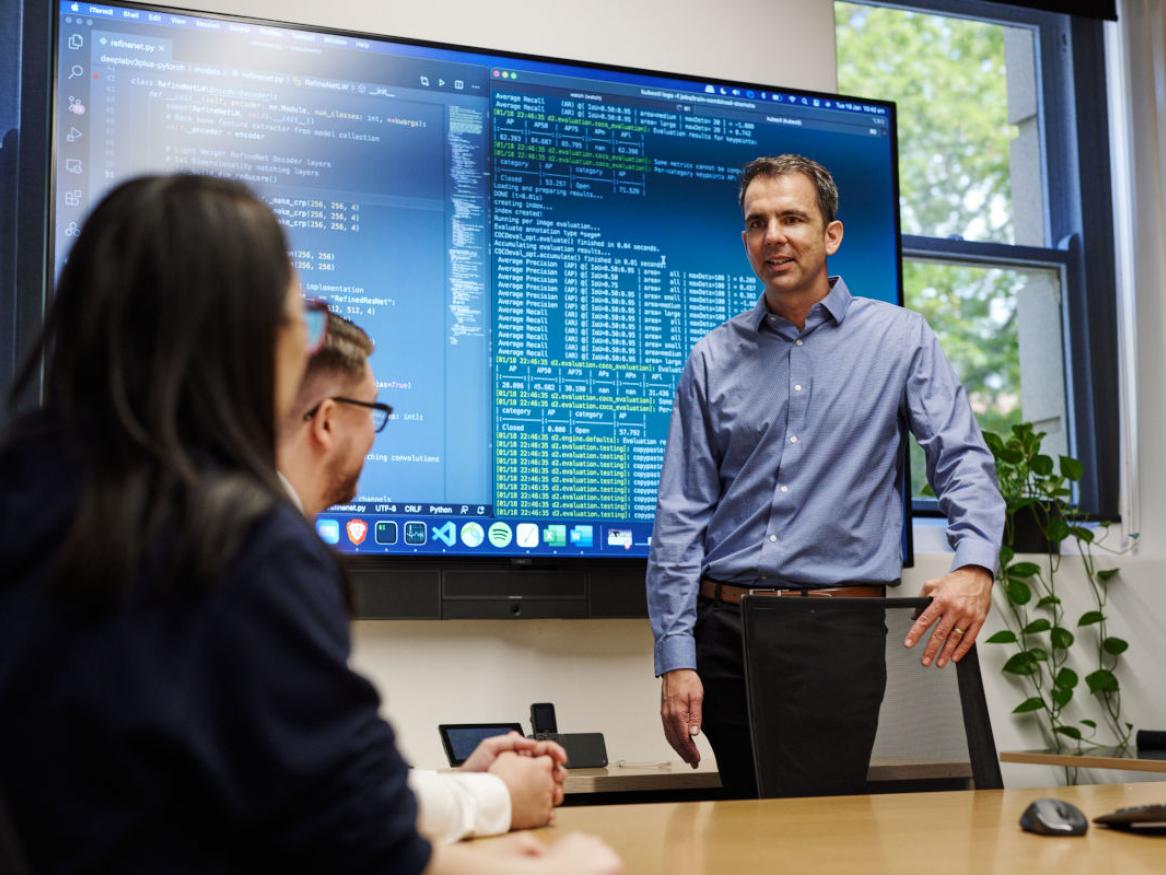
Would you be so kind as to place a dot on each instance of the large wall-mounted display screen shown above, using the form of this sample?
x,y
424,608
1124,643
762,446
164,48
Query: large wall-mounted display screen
x,y
534,245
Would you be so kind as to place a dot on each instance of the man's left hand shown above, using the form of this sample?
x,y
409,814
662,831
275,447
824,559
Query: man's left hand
x,y
960,602
488,751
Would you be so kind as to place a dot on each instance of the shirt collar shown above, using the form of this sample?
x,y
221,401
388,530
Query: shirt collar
x,y
292,495
836,303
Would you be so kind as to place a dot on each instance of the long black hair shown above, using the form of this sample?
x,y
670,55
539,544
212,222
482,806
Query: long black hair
x,y
159,351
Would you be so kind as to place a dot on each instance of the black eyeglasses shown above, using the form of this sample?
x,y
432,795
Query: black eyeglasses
x,y
381,412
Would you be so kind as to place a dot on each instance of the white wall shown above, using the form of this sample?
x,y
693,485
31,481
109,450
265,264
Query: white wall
x,y
780,42
598,673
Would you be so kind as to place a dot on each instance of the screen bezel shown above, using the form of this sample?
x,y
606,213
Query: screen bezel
x,y
447,729
391,561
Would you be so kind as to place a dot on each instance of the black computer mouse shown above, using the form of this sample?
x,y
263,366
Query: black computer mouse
x,y
1054,817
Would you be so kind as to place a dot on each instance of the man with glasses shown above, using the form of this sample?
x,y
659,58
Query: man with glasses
x,y
509,782
333,422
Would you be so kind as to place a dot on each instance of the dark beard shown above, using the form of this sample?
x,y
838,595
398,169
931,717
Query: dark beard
x,y
343,489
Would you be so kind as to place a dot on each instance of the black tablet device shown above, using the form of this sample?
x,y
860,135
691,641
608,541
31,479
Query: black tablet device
x,y
460,739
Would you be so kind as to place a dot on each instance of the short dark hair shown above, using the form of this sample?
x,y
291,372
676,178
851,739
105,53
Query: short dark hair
x,y
160,367
344,354
782,165
345,351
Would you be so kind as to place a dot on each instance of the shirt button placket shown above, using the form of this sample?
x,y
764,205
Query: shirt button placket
x,y
797,416
797,381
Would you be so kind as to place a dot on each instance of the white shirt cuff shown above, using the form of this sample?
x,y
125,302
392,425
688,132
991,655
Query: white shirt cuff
x,y
458,805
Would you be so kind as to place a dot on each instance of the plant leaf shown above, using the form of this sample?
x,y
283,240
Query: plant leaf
x,y
1115,646
1081,533
1108,574
927,490
1006,554
1088,723
1019,592
1020,663
1038,653
1058,529
1036,626
1022,570
1071,731
1090,617
1042,465
1061,638
1011,456
1066,678
1102,681
1048,600
1004,636
1071,468
1033,704
1061,696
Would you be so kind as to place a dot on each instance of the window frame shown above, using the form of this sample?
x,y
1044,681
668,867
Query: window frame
x,y
1079,243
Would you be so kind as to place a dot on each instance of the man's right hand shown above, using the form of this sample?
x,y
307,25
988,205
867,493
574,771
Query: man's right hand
x,y
532,787
681,698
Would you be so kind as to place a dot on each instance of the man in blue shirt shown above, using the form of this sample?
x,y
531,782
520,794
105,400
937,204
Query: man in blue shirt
x,y
781,473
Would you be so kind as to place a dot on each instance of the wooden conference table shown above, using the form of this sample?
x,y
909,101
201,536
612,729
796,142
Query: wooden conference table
x,y
953,832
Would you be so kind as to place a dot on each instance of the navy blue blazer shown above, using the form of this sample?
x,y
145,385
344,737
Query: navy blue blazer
x,y
219,732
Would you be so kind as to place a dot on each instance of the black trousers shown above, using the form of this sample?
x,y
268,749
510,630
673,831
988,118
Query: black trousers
x,y
828,674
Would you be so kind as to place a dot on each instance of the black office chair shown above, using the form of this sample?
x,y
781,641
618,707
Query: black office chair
x,y
12,861
928,715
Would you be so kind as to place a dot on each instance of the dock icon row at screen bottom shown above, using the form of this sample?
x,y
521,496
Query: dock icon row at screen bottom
x,y
471,534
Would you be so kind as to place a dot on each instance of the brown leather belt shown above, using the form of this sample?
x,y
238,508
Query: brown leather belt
x,y
731,594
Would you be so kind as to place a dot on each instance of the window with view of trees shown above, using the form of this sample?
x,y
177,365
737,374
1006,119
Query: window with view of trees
x,y
978,261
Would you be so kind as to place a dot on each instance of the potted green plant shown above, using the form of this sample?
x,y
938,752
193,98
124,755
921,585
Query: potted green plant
x,y
1038,495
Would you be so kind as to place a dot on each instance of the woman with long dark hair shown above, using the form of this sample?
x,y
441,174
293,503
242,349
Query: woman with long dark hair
x,y
174,684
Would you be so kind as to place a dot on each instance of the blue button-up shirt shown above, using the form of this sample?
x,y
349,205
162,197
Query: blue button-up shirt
x,y
783,458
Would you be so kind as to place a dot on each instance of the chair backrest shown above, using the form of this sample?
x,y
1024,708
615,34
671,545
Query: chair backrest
x,y
928,715
12,861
